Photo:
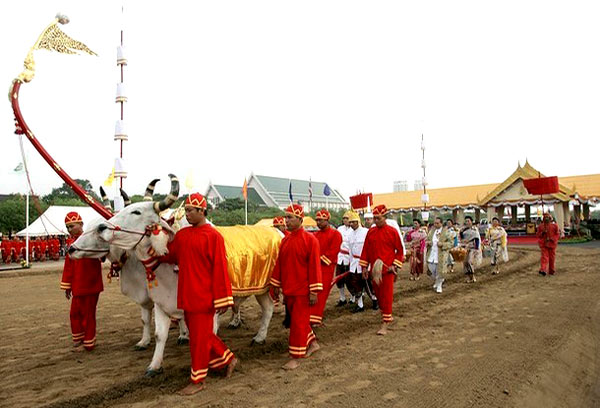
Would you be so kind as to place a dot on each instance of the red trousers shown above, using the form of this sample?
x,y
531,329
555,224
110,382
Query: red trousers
x,y
83,320
301,335
547,261
385,295
207,350
316,310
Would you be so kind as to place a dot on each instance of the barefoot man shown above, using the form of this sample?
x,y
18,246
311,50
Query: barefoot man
x,y
298,274
81,279
384,252
203,289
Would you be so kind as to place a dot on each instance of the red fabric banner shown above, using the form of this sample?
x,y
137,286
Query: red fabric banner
x,y
360,200
542,185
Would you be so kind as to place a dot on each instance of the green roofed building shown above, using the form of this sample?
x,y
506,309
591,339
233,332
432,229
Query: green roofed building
x,y
217,193
274,192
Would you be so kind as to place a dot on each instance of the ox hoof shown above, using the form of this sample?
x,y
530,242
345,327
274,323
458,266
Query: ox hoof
x,y
138,347
182,341
259,342
151,373
234,326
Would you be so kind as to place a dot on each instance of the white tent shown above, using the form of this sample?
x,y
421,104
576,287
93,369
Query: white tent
x,y
52,221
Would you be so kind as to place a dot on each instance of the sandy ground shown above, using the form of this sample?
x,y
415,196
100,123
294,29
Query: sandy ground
x,y
512,340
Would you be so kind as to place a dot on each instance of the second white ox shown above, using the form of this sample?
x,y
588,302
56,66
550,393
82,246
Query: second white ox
x,y
126,231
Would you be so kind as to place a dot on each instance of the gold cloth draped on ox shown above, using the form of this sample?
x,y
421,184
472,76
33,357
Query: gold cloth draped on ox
x,y
251,255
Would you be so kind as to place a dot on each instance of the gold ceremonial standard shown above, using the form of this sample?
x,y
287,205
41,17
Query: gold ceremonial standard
x,y
251,255
52,39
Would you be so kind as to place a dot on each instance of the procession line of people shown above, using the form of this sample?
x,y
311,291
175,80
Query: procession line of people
x,y
366,260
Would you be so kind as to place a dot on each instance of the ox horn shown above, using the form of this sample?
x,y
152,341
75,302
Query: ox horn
x,y
126,199
150,190
105,199
170,199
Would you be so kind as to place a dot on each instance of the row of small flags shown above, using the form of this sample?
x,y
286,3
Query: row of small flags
x,y
326,190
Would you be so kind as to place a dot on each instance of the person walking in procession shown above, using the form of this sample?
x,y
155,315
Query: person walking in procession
x,y
355,280
470,239
416,238
82,281
498,240
203,289
439,243
450,226
343,261
297,274
548,234
383,253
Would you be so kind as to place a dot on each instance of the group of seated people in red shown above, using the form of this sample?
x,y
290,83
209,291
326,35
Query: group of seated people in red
x,y
40,248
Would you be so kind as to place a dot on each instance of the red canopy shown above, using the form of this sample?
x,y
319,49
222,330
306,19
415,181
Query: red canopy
x,y
542,185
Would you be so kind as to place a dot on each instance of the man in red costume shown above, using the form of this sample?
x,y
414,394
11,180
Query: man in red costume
x,y
382,249
6,250
330,241
298,274
82,280
548,235
203,289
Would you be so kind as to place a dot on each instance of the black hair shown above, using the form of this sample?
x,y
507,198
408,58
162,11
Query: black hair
x,y
451,220
419,221
496,218
468,217
439,218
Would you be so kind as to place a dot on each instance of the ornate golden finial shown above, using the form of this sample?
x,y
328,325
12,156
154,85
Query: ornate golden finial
x,y
52,39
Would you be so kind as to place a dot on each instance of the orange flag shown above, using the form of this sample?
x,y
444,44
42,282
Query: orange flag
x,y
245,190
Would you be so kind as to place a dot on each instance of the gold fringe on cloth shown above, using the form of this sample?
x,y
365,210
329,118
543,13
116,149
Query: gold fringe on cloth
x,y
251,255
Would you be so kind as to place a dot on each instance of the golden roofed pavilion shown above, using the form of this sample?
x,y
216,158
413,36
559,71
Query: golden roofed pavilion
x,y
576,192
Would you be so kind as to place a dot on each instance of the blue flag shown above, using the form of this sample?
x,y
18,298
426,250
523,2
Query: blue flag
x,y
326,190
290,191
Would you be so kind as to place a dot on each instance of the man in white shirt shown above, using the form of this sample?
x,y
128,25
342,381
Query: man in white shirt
x,y
343,261
355,281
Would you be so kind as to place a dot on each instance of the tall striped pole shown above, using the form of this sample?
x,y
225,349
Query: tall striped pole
x,y
120,128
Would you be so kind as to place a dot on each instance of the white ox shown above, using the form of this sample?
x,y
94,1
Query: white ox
x,y
124,232
134,285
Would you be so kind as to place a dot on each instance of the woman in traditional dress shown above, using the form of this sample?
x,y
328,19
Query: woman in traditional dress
x,y
454,235
470,239
416,238
496,235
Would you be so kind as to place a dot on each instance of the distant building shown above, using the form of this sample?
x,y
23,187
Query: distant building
x,y
401,185
217,193
418,185
274,192
573,200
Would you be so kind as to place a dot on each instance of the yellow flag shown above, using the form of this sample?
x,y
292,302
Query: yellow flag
x,y
109,181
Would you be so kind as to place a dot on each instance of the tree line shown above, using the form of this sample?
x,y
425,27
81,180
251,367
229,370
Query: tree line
x,y
226,213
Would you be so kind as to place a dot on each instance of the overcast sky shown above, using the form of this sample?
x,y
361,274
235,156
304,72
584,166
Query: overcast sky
x,y
339,91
